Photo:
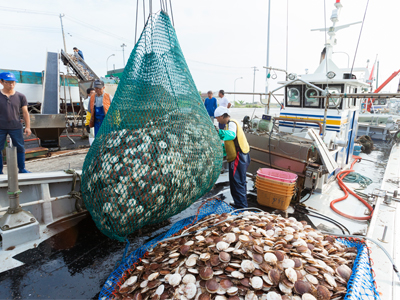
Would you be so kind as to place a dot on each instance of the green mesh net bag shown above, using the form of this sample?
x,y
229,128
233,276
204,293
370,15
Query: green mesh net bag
x,y
157,150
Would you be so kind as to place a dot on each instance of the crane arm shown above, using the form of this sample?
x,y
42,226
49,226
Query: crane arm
x,y
386,81
369,102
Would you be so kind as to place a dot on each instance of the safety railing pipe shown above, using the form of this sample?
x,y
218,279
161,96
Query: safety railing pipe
x,y
325,115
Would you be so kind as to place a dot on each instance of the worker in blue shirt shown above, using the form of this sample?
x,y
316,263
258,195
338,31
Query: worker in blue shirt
x,y
12,103
79,52
211,105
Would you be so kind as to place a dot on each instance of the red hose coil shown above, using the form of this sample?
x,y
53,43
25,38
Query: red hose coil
x,y
346,190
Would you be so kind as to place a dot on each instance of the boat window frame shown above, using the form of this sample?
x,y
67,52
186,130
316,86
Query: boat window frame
x,y
341,91
319,94
355,104
301,86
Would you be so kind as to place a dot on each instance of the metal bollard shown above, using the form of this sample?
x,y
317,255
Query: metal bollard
x,y
12,175
383,240
15,216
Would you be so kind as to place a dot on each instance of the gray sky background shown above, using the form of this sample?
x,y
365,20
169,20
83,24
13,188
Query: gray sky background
x,y
221,39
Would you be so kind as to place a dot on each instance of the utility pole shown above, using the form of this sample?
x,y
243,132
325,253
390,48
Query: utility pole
x,y
123,53
62,30
254,81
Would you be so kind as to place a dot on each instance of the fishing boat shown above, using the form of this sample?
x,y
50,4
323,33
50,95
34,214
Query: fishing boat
x,y
314,138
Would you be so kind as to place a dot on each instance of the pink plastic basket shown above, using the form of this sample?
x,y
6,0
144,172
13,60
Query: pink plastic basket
x,y
277,175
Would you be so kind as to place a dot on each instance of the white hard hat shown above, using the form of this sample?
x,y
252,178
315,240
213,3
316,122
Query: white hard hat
x,y
220,111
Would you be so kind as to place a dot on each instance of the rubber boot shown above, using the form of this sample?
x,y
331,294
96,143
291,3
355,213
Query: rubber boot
x,y
1,162
21,162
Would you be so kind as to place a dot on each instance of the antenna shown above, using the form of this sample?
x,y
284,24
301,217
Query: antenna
x,y
333,29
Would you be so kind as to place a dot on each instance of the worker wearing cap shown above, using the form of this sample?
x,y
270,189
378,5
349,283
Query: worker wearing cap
x,y
237,154
223,102
99,104
90,92
78,52
11,103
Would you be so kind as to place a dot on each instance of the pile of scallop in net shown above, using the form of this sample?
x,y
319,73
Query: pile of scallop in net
x,y
251,256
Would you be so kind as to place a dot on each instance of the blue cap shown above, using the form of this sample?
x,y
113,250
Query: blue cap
x,y
8,76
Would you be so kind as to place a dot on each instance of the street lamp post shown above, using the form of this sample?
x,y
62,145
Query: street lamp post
x,y
254,81
107,60
123,52
234,88
348,57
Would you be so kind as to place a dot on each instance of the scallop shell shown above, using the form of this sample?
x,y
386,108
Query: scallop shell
x,y
256,282
270,258
247,266
175,279
291,274
222,246
237,274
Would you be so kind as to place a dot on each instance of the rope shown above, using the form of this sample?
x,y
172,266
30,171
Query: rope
x,y
118,262
359,37
75,194
172,14
355,177
326,57
137,9
144,13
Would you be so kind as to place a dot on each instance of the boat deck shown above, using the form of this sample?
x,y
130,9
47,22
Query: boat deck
x,y
75,263
388,283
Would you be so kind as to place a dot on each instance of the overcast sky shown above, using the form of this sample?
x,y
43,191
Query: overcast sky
x,y
221,39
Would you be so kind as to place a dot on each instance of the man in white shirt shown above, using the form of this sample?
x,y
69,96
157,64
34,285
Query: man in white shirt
x,y
223,102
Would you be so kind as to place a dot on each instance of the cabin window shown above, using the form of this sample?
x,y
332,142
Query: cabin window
x,y
294,95
335,103
311,97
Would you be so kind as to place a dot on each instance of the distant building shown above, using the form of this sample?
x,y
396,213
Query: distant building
x,y
115,73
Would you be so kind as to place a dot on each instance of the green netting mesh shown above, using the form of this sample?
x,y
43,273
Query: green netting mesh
x,y
157,150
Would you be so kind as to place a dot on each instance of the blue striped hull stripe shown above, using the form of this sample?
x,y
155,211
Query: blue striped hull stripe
x,y
314,116
308,125
331,128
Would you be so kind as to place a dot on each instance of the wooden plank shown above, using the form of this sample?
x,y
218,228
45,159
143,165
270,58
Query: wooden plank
x,y
36,149
326,157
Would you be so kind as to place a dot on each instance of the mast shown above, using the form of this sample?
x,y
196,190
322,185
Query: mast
x,y
266,75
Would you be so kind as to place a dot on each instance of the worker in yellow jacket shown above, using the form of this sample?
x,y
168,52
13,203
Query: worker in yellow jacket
x,y
237,154
90,92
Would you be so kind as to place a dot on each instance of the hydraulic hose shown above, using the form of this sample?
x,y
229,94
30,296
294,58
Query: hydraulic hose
x,y
346,190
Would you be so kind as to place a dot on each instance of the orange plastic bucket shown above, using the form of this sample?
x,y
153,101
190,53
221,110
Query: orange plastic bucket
x,y
272,182
273,200
276,191
277,175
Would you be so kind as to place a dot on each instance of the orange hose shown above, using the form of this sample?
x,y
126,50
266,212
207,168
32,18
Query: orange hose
x,y
345,189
